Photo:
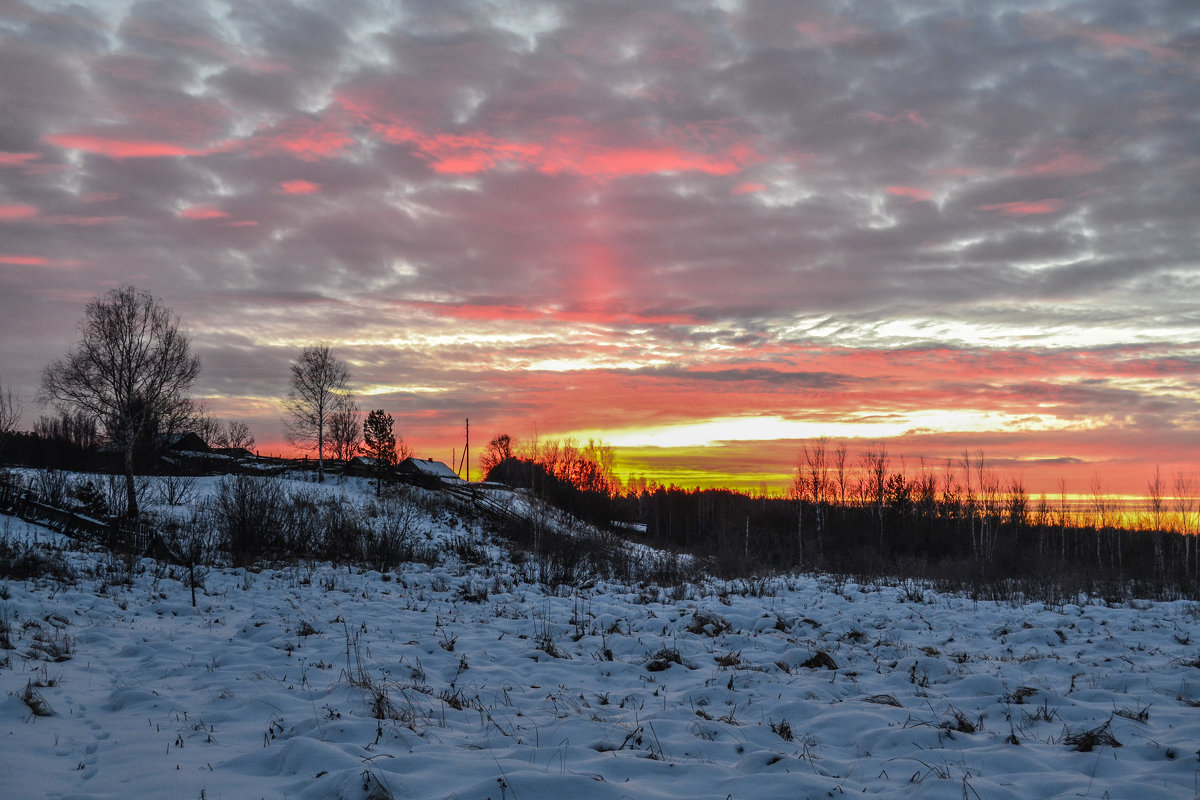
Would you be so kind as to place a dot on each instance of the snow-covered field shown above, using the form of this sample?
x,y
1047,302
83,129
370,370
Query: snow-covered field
x,y
310,681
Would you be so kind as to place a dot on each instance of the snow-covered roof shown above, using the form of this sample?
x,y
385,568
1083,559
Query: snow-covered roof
x,y
431,468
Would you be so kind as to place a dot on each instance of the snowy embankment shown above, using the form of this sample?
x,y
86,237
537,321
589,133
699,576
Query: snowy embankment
x,y
310,681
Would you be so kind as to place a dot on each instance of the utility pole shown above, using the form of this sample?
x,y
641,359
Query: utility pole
x,y
467,452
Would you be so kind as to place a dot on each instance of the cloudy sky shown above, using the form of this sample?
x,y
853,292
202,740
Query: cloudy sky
x,y
703,232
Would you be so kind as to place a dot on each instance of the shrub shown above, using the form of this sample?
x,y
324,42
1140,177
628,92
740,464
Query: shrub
x,y
52,485
250,514
390,542
20,561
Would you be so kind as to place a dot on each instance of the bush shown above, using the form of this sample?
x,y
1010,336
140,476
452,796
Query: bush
x,y
24,561
391,541
250,514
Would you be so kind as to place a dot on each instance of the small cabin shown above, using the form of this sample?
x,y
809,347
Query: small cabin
x,y
426,470
362,466
187,442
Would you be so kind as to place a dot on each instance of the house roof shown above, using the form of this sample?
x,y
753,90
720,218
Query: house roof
x,y
188,440
427,466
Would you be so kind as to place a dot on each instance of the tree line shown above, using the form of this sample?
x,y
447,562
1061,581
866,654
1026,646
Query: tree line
x,y
127,383
868,514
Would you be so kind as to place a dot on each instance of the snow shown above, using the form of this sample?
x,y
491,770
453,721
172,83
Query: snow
x,y
455,681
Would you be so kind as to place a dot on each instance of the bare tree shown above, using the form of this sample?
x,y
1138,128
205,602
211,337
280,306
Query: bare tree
x,y
498,449
235,434
345,432
874,483
1156,507
990,506
73,429
814,472
193,541
130,371
318,391
205,425
839,469
812,483
1102,509
10,412
1187,490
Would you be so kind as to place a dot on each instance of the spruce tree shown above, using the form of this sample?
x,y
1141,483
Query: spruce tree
x,y
380,444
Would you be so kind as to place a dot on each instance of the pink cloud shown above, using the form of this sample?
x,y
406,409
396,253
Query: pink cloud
x,y
1059,160
12,258
119,148
606,162
1024,208
298,187
203,212
1051,25
17,211
38,261
83,222
308,140
16,159
573,147
1111,40
747,188
466,162
910,192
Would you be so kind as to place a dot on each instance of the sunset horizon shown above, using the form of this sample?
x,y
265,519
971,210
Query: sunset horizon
x,y
703,234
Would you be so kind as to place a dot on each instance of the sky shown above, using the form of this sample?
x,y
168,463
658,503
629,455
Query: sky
x,y
703,232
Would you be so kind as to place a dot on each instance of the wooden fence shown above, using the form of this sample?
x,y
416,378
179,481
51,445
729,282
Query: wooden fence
x,y
128,536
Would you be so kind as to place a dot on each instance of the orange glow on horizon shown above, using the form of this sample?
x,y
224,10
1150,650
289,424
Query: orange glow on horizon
x,y
770,467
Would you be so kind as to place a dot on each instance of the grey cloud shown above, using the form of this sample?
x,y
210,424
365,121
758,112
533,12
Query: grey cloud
x,y
1026,246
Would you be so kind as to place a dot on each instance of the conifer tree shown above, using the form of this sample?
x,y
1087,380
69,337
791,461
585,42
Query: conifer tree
x,y
380,444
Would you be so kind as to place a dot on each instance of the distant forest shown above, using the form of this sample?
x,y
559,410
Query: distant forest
x,y
960,523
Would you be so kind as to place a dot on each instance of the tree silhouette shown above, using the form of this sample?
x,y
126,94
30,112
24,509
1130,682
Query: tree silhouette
x,y
318,391
130,372
345,432
379,444
498,449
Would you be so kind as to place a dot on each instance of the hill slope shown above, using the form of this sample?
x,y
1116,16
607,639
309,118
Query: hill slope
x,y
462,681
